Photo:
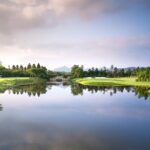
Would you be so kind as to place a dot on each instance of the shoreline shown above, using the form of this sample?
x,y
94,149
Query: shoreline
x,y
111,82
12,82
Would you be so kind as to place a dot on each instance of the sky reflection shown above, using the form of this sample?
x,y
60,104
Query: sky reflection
x,y
59,120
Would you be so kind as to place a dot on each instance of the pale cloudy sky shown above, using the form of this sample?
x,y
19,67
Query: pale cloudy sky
x,y
66,32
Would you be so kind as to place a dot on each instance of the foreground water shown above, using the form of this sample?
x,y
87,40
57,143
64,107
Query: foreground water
x,y
65,117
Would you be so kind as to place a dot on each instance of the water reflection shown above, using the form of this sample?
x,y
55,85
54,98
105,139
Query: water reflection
x,y
77,89
61,121
3,90
31,90
140,92
1,107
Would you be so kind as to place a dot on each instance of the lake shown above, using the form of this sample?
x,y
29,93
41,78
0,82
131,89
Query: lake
x,y
74,117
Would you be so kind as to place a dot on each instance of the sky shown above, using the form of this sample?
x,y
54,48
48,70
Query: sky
x,y
66,32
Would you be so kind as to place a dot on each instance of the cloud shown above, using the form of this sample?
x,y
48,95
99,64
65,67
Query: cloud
x,y
19,15
14,16
54,54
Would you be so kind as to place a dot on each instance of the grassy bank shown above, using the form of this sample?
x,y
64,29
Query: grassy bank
x,y
11,82
111,82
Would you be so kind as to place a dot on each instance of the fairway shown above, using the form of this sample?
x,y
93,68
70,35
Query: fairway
x,y
111,82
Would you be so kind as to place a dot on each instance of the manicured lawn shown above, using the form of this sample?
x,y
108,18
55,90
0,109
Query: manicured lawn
x,y
10,82
111,82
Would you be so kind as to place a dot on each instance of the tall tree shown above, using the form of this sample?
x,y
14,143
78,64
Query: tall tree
x,y
34,66
38,65
17,67
29,66
21,67
14,67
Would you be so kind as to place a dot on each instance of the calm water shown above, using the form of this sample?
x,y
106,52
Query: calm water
x,y
65,117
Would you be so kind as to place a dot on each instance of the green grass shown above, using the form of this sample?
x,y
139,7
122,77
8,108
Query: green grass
x,y
18,81
111,82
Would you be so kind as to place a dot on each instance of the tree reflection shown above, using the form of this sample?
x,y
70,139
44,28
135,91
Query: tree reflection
x,y
31,90
143,92
77,89
3,90
1,107
140,92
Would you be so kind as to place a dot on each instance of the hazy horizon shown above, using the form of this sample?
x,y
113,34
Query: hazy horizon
x,y
85,32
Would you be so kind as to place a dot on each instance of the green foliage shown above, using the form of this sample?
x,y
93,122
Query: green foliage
x,y
29,66
28,71
77,71
33,66
38,72
38,65
143,74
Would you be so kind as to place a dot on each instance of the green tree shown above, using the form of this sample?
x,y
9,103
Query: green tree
x,y
34,66
17,67
21,67
143,74
112,68
29,66
77,71
115,72
96,72
14,67
38,65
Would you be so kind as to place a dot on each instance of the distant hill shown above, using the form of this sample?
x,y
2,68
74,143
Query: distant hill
x,y
62,69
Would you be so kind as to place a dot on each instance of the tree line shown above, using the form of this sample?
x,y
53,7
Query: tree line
x,y
31,70
142,74
37,70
